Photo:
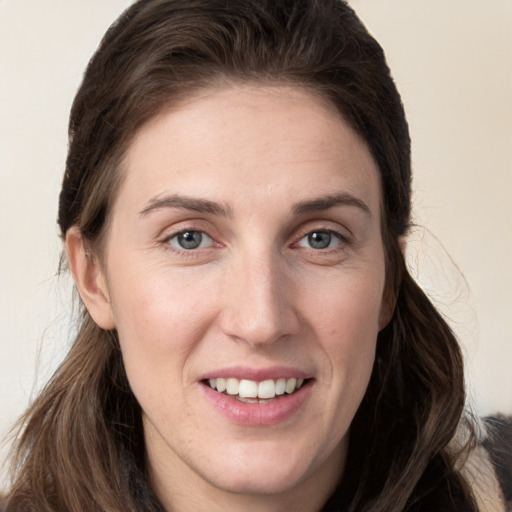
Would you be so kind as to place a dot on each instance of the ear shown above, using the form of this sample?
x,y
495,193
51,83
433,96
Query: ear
x,y
388,297
402,243
386,309
89,279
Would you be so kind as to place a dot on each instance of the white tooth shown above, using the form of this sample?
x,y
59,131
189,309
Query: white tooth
x,y
247,400
280,386
267,389
290,385
232,386
213,383
299,383
221,384
248,389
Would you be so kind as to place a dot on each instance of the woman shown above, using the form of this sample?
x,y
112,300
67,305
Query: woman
x,y
234,211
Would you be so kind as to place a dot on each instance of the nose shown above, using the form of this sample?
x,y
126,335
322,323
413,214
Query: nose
x,y
258,307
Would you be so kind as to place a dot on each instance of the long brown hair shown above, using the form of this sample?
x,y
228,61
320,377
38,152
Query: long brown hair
x,y
81,446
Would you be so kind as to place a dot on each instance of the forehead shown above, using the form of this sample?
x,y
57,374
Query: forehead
x,y
260,138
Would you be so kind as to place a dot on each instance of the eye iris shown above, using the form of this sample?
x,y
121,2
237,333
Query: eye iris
x,y
190,239
319,240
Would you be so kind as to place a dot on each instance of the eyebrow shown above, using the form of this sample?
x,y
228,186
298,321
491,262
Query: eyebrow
x,y
206,206
187,203
324,203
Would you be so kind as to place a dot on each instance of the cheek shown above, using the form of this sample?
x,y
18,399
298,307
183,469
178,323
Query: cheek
x,y
159,322
346,317
351,348
347,311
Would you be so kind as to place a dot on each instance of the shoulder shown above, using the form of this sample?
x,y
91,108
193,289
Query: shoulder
x,y
498,445
488,468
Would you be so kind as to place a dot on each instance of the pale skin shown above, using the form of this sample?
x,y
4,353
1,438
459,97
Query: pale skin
x,y
246,234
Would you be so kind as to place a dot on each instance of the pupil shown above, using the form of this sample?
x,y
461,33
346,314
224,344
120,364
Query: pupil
x,y
190,239
319,240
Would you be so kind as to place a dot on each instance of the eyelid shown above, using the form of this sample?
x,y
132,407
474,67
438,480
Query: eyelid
x,y
343,233
172,226
324,256
335,234
204,236
195,225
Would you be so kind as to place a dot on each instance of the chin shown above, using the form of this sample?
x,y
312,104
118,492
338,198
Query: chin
x,y
266,469
268,480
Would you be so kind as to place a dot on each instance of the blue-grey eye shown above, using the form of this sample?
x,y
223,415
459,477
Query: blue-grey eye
x,y
190,239
320,240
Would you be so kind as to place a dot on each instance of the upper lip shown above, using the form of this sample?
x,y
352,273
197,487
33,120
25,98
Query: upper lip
x,y
256,374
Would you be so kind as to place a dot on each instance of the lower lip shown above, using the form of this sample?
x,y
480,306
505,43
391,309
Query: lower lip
x,y
278,410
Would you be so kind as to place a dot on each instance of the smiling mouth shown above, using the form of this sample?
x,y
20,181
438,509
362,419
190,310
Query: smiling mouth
x,y
251,391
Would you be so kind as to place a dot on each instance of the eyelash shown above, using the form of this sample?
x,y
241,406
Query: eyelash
x,y
342,242
183,252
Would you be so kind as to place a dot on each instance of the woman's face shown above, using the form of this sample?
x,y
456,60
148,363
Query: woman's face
x,y
245,251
